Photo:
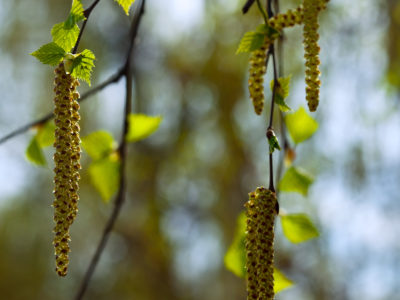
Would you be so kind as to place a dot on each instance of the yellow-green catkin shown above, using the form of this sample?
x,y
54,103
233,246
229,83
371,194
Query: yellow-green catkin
x,y
261,213
288,19
256,79
311,10
66,159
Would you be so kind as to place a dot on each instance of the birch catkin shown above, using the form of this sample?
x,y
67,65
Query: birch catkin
x,y
256,80
311,49
261,214
67,165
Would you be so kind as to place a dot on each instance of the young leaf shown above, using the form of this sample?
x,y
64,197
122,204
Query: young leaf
x,y
126,4
141,126
45,134
298,228
272,141
104,175
281,282
300,125
268,31
296,180
281,92
250,41
34,153
50,54
65,36
235,257
98,144
83,65
76,14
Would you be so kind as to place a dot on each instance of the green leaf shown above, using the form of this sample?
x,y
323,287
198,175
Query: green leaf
x,y
268,30
65,36
98,144
126,4
104,175
300,125
34,153
49,54
298,228
250,41
76,14
273,143
281,282
235,257
296,180
281,92
141,126
45,134
82,65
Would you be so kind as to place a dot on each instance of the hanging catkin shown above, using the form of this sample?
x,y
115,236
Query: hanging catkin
x,y
261,212
66,159
256,80
311,49
288,19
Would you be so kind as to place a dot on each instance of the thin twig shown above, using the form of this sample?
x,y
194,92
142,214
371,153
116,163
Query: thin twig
x,y
87,13
247,6
122,152
112,79
271,116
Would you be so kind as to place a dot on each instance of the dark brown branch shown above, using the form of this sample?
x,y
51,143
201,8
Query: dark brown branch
x,y
271,116
247,6
113,79
87,13
122,151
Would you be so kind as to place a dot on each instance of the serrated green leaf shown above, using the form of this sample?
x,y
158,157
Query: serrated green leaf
x,y
65,36
49,54
141,126
76,14
125,4
296,180
235,257
34,153
282,92
45,134
300,125
250,41
83,65
98,144
281,282
104,175
298,228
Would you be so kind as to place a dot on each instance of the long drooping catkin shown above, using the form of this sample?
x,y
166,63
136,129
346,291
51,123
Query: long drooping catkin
x,y
311,49
67,165
261,214
256,80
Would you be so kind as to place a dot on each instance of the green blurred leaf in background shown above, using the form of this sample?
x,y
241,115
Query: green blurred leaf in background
x,y
125,4
298,228
296,180
141,126
300,125
104,175
34,153
98,144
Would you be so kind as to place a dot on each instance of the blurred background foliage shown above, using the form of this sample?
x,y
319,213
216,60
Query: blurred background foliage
x,y
189,181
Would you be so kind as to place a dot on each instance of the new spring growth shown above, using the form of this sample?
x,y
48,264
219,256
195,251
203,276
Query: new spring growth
x,y
261,213
67,166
